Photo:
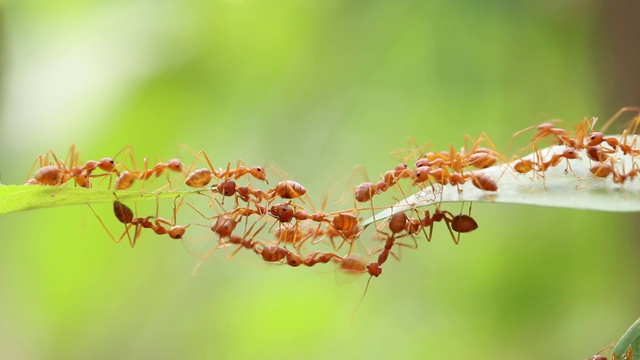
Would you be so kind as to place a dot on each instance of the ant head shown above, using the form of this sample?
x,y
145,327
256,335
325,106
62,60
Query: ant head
x,y
401,167
374,269
283,212
175,165
176,232
422,162
421,174
571,153
595,138
294,259
259,173
107,164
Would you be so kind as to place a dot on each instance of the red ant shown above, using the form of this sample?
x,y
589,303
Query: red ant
x,y
628,354
159,168
258,172
59,174
597,138
125,215
568,154
459,223
229,188
442,177
546,129
622,177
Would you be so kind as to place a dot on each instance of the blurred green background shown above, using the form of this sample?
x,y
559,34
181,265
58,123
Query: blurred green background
x,y
316,88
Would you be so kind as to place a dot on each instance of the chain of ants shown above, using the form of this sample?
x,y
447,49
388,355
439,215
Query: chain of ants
x,y
285,204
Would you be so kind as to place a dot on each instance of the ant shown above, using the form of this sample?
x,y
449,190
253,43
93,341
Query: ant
x,y
244,193
355,264
628,354
125,215
59,174
227,222
531,163
622,177
159,168
246,211
597,138
295,259
230,188
459,223
284,213
202,177
547,129
258,172
567,154
442,177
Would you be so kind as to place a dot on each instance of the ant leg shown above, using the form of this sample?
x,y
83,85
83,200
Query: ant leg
x,y
617,115
103,224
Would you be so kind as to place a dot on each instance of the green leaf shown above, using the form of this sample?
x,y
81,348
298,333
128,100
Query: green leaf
x,y
15,198
630,339
576,189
